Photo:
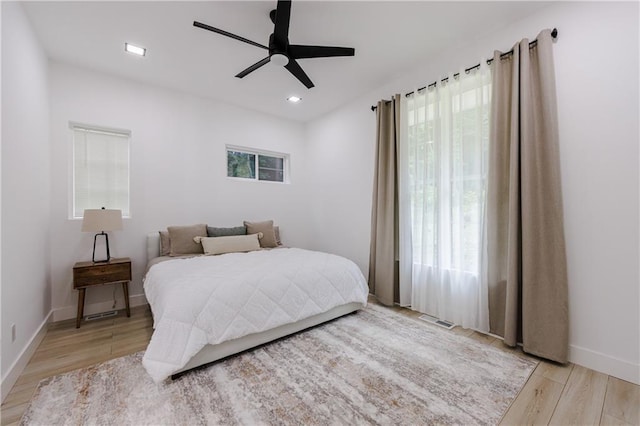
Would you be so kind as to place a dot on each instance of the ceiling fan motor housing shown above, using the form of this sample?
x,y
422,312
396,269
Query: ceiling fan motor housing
x,y
278,54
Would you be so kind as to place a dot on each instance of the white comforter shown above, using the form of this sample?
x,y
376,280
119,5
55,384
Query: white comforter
x,y
212,299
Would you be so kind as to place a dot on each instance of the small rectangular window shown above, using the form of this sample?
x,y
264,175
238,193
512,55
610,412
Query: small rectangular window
x,y
257,165
100,169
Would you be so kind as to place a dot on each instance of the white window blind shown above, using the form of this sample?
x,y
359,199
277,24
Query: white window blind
x,y
100,170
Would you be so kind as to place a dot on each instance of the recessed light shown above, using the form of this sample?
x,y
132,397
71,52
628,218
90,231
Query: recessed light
x,y
141,51
294,99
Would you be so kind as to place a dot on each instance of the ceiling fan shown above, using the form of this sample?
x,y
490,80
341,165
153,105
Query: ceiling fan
x,y
280,51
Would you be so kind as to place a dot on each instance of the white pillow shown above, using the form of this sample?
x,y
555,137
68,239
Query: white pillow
x,y
230,244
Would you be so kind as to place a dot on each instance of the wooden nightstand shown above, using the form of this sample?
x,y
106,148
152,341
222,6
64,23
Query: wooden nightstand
x,y
86,274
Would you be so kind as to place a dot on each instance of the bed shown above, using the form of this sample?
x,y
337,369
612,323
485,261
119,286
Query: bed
x,y
206,308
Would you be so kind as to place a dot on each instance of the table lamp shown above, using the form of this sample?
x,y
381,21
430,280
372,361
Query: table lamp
x,y
101,220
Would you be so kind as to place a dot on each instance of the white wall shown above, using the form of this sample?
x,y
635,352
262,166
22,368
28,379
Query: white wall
x,y
178,172
597,70
341,181
26,293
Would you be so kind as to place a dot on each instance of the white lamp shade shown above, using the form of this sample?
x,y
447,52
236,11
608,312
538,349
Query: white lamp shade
x,y
98,220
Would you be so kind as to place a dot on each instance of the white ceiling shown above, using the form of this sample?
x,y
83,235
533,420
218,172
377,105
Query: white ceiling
x,y
388,37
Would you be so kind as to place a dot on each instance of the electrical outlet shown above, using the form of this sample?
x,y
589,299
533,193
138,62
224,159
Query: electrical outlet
x,y
13,333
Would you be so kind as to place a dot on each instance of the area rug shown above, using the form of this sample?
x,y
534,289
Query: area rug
x,y
371,367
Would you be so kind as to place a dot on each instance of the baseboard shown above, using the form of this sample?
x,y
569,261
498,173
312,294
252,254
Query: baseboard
x,y
69,312
604,363
23,359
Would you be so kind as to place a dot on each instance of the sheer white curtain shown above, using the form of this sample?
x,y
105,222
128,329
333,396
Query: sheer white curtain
x,y
443,168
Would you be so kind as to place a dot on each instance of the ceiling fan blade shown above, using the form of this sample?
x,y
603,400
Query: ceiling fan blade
x,y
281,29
253,67
297,51
294,68
228,34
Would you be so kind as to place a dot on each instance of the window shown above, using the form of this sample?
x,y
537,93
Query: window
x,y
257,165
100,169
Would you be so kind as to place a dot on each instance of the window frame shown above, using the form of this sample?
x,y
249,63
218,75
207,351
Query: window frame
x,y
286,159
74,126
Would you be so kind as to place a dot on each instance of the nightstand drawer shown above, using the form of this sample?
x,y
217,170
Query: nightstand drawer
x,y
101,274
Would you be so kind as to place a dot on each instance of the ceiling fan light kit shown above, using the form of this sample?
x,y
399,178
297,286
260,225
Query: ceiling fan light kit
x,y
281,52
279,59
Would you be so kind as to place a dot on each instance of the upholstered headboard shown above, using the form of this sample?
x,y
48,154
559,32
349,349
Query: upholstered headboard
x,y
153,245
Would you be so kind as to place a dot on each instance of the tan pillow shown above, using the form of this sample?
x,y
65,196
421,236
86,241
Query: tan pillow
x,y
165,243
266,227
182,239
230,244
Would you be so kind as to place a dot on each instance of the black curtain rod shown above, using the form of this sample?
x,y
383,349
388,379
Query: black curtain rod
x,y
554,34
374,107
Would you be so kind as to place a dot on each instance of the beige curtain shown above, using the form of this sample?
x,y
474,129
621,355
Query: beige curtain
x,y
383,265
526,261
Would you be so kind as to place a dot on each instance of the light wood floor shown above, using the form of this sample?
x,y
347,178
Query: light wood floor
x,y
555,395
